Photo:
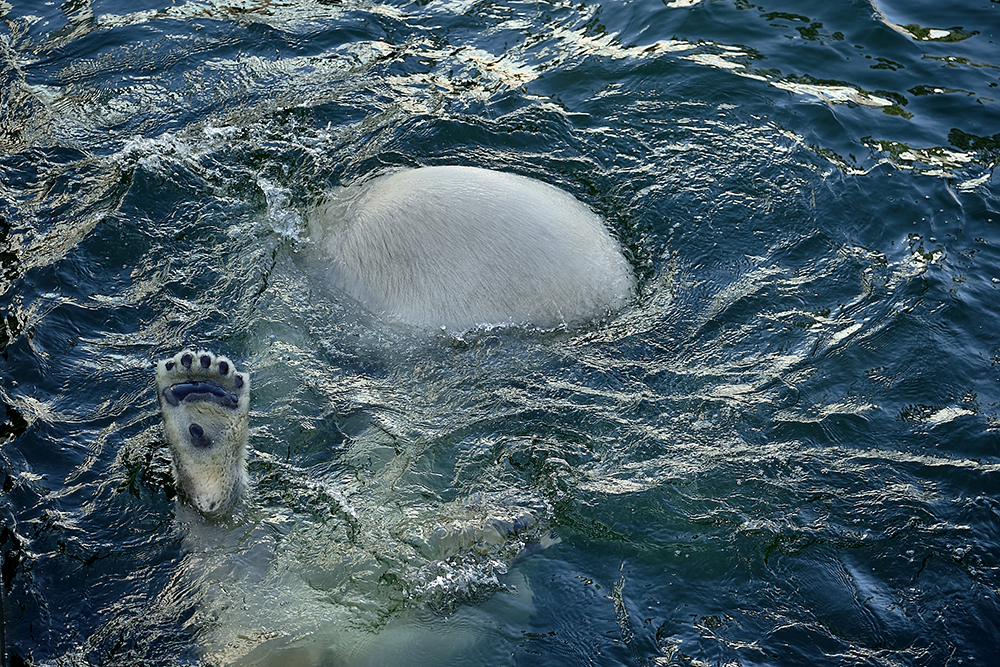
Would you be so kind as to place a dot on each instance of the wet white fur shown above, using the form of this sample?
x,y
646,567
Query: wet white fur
x,y
460,247
212,479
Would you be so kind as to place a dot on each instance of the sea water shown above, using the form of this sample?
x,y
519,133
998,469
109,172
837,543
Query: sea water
x,y
783,451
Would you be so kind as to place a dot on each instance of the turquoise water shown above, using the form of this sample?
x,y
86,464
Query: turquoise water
x,y
783,452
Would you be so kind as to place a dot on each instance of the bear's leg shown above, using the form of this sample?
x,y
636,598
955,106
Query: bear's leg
x,y
205,402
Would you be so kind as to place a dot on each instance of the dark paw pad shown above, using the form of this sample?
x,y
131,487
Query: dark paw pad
x,y
198,437
193,392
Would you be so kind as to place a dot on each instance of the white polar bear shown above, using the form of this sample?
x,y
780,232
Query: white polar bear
x,y
205,403
460,247
440,247
451,247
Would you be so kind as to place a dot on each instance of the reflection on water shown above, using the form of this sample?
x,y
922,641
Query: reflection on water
x,y
784,451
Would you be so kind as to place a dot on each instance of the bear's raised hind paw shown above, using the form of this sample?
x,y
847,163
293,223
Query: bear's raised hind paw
x,y
205,404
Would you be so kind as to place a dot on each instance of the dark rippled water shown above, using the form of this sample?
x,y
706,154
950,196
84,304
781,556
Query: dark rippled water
x,y
784,452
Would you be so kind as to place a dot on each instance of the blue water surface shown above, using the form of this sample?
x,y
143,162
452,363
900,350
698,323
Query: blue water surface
x,y
785,451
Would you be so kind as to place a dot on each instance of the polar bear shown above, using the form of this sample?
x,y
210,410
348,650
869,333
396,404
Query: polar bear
x,y
435,247
205,404
442,247
455,247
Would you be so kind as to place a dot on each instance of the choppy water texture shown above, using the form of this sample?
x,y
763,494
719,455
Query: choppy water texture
x,y
783,452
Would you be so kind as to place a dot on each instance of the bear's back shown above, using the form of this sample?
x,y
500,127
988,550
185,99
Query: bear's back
x,y
460,247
